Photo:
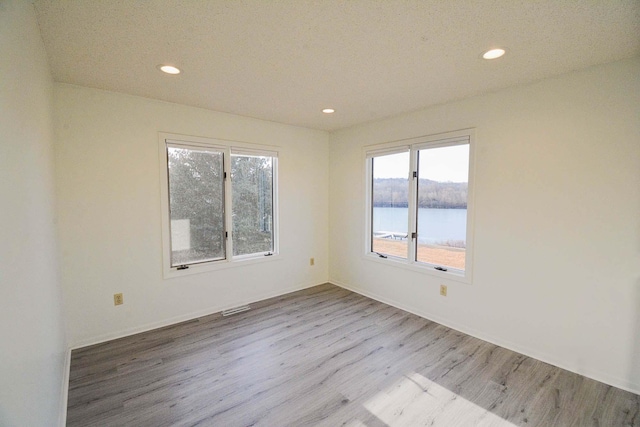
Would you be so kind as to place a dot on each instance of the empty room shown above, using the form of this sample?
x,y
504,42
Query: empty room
x,y
320,213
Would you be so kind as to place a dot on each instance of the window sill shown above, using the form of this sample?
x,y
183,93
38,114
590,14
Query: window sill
x,y
462,277
219,265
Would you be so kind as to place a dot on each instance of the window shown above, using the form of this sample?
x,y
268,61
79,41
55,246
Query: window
x,y
390,194
219,203
252,184
419,204
196,204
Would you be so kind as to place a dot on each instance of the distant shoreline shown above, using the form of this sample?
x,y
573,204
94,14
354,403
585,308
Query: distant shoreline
x,y
394,192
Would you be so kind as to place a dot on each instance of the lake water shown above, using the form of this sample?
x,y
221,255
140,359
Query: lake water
x,y
434,225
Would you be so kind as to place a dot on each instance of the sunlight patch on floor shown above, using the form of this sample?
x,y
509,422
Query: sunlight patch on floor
x,y
415,401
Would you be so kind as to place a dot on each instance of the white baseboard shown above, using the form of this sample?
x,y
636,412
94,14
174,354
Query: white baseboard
x,y
602,377
183,318
64,393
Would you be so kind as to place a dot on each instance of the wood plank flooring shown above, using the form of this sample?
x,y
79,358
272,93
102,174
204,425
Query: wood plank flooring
x,y
328,357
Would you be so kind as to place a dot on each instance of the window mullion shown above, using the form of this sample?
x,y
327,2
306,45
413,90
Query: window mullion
x,y
228,196
412,206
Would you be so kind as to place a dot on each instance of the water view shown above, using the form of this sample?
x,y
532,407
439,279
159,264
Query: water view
x,y
434,225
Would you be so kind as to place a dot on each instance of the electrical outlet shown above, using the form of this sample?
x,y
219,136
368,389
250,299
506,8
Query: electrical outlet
x,y
312,261
443,290
118,299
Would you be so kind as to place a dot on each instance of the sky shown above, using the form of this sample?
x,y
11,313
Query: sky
x,y
443,164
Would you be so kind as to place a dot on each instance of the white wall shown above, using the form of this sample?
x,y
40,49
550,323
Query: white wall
x,y
108,188
32,347
557,221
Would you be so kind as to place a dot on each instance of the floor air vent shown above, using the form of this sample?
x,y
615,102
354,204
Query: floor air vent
x,y
235,310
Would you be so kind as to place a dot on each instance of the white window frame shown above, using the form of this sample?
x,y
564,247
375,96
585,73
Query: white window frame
x,y
228,148
412,145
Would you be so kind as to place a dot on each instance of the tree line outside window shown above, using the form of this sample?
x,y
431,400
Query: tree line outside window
x,y
204,226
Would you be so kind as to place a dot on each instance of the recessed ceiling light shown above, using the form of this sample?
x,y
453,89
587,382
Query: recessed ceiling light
x,y
493,53
328,111
169,69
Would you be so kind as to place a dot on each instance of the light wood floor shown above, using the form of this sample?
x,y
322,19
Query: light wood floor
x,y
328,357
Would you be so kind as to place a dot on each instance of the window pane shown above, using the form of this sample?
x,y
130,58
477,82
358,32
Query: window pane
x,y
443,178
252,211
196,200
390,212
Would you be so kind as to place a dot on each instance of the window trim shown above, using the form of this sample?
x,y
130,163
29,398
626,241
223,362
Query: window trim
x,y
228,148
413,145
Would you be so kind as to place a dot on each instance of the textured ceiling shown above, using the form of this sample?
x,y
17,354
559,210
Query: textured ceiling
x,y
285,60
